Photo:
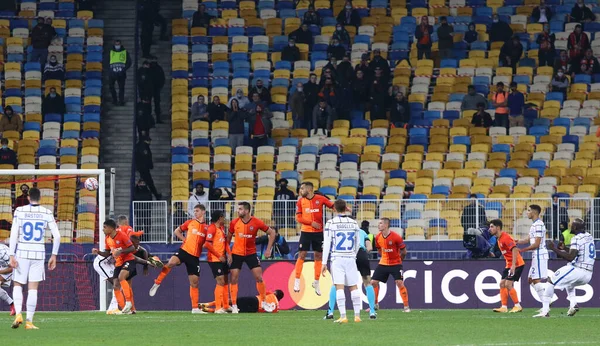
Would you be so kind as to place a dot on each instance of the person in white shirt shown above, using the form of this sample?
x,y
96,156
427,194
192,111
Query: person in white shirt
x,y
341,240
198,197
582,256
6,273
537,246
28,253
105,267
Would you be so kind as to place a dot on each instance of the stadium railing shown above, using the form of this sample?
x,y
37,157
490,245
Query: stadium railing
x,y
152,218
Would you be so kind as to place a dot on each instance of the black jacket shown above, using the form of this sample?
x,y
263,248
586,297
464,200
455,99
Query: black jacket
x,y
484,120
216,112
311,18
291,54
301,36
353,20
8,157
512,51
345,72
445,40
142,193
360,91
53,105
263,94
143,156
41,36
337,52
469,216
201,20
157,75
400,112
236,121
311,97
579,14
535,14
145,83
382,63
559,214
500,32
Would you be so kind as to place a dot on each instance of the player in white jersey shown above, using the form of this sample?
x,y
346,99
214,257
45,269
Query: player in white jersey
x,y
341,239
537,246
6,273
28,253
582,255
105,267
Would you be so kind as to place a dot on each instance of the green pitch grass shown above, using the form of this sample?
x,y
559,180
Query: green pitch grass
x,y
290,328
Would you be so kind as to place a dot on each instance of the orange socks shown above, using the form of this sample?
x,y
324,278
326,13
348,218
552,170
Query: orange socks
x,y
299,265
126,290
404,295
318,267
262,291
376,288
226,297
504,296
194,296
218,297
234,292
513,296
120,299
163,273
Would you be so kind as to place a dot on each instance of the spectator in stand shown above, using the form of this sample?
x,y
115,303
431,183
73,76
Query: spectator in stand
x,y
311,98
142,192
199,109
144,81
329,71
400,111
365,67
256,101
144,163
41,37
445,33
262,91
54,69
500,102
378,95
588,64
144,120
541,13
7,155
22,199
473,215
554,216
482,118
53,103
560,82
260,126
500,31
423,34
360,91
336,50
297,102
322,117
349,16
342,35
302,35
285,203
311,17
577,43
10,121
329,93
581,13
199,196
472,99
147,17
157,78
516,106
201,18
344,93
290,53
511,53
547,52
237,118
345,72
381,63
242,100
562,62
120,62
216,110
471,35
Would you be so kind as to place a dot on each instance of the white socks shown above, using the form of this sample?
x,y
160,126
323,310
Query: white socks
x,y
5,297
539,288
341,302
31,304
113,303
547,296
356,303
18,298
571,297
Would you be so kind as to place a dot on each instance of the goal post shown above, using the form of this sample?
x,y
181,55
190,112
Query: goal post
x,y
79,214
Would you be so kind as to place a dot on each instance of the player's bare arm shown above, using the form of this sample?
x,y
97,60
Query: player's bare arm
x,y
105,253
368,245
271,234
119,252
515,253
209,246
6,271
567,255
403,253
535,245
179,234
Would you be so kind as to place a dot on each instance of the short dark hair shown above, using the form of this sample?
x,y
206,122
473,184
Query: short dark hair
x,y
122,218
4,141
200,206
216,215
110,223
480,104
309,184
279,294
471,86
443,18
200,184
536,207
387,220
340,205
246,205
513,84
473,195
497,223
499,84
35,194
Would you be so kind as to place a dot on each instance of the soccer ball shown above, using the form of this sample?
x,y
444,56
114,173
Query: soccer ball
x,y
91,184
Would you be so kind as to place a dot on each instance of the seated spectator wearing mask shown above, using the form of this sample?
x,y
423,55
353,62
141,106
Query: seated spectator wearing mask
x,y
53,103
311,17
482,118
54,70
400,111
560,82
472,99
500,31
290,53
342,35
336,50
323,116
471,35
241,99
11,121
581,13
541,13
349,16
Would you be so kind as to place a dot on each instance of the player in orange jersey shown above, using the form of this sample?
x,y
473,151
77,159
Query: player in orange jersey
x,y
244,228
309,213
123,222
392,250
188,254
252,304
219,259
512,271
119,245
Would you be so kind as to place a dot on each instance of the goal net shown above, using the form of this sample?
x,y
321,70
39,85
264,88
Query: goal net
x,y
79,214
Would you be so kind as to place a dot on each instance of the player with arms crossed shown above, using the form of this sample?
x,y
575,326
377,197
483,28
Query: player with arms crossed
x,y
219,258
392,250
6,273
582,255
341,237
244,228
309,213
537,246
121,248
27,253
188,254
513,270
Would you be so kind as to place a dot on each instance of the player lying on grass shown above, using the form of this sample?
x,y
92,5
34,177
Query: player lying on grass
x,y
251,304
6,273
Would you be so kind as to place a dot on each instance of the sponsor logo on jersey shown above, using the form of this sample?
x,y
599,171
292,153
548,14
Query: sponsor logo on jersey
x,y
242,235
308,210
388,250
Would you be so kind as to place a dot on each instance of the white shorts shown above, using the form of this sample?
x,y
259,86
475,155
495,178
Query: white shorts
x,y
345,272
6,279
539,265
570,277
29,270
104,267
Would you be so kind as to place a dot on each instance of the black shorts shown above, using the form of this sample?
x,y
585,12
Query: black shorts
x,y
362,263
218,268
247,304
516,276
251,261
129,266
382,272
311,240
192,263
